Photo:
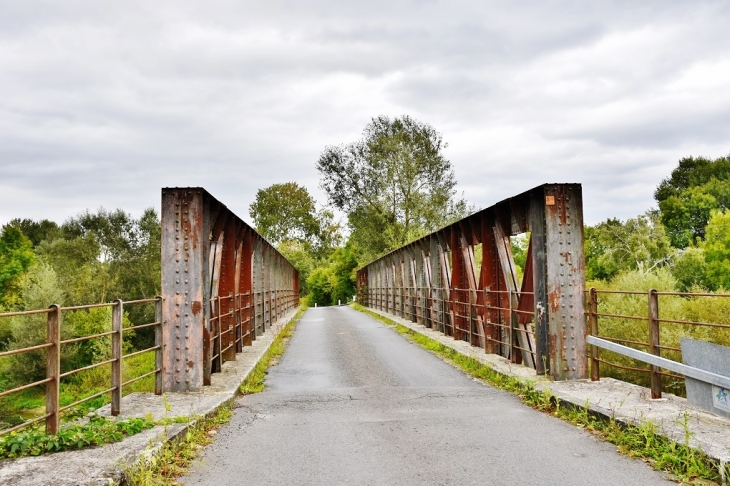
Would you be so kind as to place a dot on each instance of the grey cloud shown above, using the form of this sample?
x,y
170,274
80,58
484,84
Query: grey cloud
x,y
104,103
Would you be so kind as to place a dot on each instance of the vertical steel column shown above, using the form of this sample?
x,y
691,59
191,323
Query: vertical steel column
x,y
656,377
117,316
565,281
183,308
53,369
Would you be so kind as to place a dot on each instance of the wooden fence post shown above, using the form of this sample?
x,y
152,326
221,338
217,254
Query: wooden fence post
x,y
53,368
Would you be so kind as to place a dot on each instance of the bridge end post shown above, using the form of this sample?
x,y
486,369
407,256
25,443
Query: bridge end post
x,y
183,316
559,291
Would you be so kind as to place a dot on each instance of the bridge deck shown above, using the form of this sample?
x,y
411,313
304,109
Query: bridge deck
x,y
354,402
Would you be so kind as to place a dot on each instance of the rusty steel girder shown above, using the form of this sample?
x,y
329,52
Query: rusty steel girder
x,y
538,321
222,285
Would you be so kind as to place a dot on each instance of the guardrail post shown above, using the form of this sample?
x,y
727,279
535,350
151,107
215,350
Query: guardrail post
x,y
117,356
656,378
158,344
53,368
593,318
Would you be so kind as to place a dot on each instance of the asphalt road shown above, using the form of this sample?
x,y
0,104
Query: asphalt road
x,y
353,402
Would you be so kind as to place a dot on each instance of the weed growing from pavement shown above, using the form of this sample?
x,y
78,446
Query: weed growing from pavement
x,y
686,464
176,456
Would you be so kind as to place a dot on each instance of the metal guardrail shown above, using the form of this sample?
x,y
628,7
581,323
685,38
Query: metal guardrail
x,y
53,346
667,364
653,344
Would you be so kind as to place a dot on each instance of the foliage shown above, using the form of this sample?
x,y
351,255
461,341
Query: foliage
x,y
613,247
394,184
16,256
302,259
334,281
164,465
98,431
717,250
686,199
37,231
284,212
90,259
690,269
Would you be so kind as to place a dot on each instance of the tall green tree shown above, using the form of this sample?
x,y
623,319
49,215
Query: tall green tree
x,y
717,250
394,184
613,246
16,257
287,212
284,212
38,231
696,187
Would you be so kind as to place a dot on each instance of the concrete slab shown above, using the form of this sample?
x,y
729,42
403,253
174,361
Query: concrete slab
x,y
103,465
709,357
674,417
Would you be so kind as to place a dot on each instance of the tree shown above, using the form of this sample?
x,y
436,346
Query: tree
x,y
690,269
686,199
37,231
334,280
287,212
284,212
613,247
16,257
717,250
302,259
394,183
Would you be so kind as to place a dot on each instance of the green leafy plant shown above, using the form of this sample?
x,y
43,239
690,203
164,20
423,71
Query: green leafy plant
x,y
97,431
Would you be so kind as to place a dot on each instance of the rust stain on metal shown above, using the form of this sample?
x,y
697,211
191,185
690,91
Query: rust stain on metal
x,y
197,306
554,300
190,364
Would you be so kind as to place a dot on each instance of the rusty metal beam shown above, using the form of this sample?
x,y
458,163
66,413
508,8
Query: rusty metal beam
x,y
440,285
212,265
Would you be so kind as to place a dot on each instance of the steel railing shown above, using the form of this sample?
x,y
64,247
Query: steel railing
x,y
464,314
53,347
252,312
658,368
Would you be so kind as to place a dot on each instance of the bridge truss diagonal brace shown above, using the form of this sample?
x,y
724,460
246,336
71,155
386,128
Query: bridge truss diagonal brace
x,y
221,283
538,321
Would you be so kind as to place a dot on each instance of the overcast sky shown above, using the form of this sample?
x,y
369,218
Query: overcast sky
x,y
103,103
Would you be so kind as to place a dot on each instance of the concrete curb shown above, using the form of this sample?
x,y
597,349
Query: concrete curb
x,y
104,465
673,416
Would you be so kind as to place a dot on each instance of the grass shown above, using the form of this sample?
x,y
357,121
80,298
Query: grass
x,y
684,463
175,457
255,382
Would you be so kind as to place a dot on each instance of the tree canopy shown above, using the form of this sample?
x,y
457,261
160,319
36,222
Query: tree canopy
x,y
284,212
16,256
696,187
613,246
394,183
